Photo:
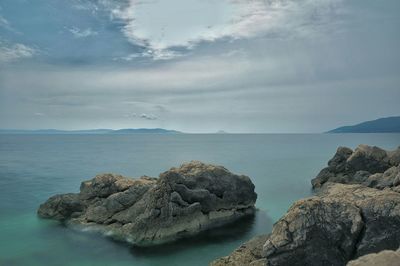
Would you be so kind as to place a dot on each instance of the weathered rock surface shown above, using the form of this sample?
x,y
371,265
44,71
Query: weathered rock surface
x,y
181,202
383,258
355,167
250,253
355,212
389,179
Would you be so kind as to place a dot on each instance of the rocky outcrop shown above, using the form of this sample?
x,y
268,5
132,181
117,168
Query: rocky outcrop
x,y
342,223
355,212
383,258
181,202
355,167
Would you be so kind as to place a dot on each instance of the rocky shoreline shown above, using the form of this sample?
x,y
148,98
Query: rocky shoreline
x,y
353,218
145,211
354,214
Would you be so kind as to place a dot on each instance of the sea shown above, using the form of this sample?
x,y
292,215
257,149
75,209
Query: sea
x,y
35,167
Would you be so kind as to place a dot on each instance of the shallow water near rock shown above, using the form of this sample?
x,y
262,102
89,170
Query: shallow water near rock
x,y
34,167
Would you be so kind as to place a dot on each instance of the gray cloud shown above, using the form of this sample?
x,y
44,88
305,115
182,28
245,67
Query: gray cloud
x,y
154,54
14,52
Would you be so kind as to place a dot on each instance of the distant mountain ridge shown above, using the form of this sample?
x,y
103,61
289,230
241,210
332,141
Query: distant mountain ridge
x,y
92,131
381,125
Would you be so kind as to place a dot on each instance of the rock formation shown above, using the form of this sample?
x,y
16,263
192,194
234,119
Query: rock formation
x,y
355,212
342,223
181,202
355,167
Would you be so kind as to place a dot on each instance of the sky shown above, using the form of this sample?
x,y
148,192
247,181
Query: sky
x,y
241,66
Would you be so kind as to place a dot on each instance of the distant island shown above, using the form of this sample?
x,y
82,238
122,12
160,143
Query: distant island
x,y
92,131
381,125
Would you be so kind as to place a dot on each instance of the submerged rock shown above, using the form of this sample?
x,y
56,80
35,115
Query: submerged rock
x,y
181,202
355,167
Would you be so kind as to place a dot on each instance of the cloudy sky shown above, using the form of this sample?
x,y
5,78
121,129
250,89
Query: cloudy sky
x,y
198,65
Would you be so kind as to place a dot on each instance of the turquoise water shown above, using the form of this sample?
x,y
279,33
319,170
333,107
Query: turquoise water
x,y
34,167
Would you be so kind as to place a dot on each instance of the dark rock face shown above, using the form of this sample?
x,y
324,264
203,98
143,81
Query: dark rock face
x,y
354,167
181,202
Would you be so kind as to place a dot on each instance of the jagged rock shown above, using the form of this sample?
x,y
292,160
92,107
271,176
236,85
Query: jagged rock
x,y
380,210
181,202
383,258
104,185
250,253
343,222
315,231
355,167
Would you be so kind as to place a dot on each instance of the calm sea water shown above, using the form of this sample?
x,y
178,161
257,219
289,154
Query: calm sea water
x,y
34,167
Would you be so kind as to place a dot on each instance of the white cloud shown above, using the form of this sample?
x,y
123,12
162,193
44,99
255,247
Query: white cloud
x,y
85,5
4,23
162,25
79,33
9,53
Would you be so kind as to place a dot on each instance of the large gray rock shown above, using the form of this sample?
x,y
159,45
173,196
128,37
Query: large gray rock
x,y
342,223
355,167
181,202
